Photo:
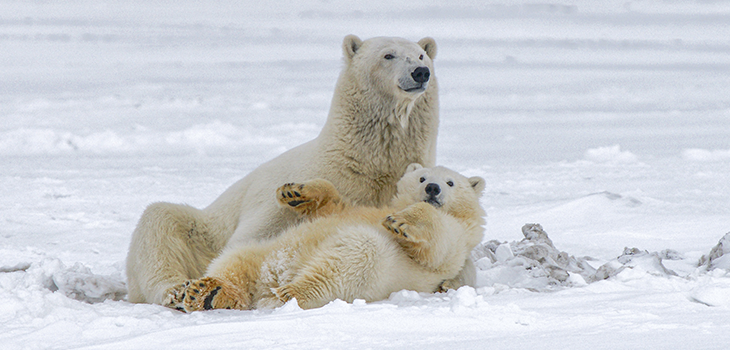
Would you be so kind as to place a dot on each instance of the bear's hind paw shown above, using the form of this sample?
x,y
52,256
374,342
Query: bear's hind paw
x,y
206,293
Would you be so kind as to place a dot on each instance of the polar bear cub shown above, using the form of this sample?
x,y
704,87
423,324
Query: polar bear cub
x,y
348,252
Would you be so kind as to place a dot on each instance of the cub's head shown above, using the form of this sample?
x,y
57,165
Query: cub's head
x,y
441,187
391,66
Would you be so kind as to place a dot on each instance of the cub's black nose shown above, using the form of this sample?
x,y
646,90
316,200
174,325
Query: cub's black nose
x,y
433,189
421,74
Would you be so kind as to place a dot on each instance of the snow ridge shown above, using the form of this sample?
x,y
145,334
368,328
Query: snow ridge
x,y
536,265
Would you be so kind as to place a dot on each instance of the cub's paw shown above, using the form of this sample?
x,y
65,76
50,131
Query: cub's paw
x,y
206,293
397,225
446,285
294,195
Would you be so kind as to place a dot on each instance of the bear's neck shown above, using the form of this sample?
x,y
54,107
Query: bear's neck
x,y
393,128
377,137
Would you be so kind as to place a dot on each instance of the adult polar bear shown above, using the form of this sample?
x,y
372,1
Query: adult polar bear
x,y
383,117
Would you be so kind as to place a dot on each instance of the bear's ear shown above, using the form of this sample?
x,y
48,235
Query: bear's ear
x,y
413,167
477,183
428,45
350,46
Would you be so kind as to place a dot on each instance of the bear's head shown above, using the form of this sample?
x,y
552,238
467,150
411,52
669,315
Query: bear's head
x,y
392,65
441,187
389,72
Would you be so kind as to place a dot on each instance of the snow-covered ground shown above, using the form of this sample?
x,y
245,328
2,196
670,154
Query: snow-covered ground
x,y
606,122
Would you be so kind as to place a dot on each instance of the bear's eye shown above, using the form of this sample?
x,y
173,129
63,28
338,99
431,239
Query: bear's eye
x,y
450,183
420,57
389,57
422,179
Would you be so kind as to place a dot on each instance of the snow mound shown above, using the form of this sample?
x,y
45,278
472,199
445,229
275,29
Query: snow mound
x,y
640,261
535,264
52,275
590,205
611,154
217,135
712,289
703,155
532,263
719,256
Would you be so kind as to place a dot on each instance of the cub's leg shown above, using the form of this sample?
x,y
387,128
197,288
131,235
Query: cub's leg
x,y
312,199
206,293
466,277
232,282
420,232
312,288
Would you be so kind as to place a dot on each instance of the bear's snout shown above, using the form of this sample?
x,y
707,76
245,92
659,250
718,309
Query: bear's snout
x,y
433,189
432,195
421,74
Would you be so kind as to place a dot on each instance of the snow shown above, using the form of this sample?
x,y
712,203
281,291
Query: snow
x,y
606,123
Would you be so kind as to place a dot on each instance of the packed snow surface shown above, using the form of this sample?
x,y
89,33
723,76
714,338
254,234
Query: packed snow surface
x,y
602,129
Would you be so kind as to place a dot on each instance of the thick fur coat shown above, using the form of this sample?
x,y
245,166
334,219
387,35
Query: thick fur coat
x,y
383,116
349,252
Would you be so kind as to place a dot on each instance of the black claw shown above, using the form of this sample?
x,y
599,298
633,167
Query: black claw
x,y
301,186
208,302
201,284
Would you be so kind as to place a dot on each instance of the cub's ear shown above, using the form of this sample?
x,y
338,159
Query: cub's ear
x,y
428,45
350,46
477,183
413,167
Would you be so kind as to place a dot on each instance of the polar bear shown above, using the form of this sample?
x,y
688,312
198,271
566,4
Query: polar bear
x,y
383,116
346,251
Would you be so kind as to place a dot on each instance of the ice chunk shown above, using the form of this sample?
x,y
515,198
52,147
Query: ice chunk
x,y
532,263
503,253
719,256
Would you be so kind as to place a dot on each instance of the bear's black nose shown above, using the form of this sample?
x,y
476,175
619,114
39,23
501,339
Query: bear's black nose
x,y
433,189
421,74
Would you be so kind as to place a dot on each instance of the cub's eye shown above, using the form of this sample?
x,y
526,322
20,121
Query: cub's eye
x,y
389,57
450,183
422,179
420,57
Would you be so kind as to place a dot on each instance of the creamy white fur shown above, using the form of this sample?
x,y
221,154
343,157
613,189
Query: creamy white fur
x,y
373,131
351,252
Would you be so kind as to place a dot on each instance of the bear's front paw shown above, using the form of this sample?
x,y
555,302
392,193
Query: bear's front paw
x,y
293,195
206,293
174,297
396,225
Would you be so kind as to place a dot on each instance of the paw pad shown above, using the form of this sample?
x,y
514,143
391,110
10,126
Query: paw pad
x,y
291,195
208,302
395,226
